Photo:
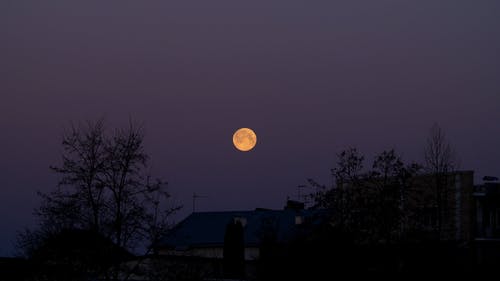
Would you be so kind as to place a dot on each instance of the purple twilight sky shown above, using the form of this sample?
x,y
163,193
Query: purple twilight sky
x,y
310,77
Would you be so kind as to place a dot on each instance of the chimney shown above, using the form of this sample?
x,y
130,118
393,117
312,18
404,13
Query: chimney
x,y
294,205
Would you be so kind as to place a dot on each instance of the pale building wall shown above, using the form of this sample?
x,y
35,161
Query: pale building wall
x,y
205,252
251,253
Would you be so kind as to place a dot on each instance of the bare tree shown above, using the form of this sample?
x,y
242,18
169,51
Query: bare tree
x,y
347,170
349,166
440,160
372,206
387,194
83,162
345,195
105,188
439,155
388,165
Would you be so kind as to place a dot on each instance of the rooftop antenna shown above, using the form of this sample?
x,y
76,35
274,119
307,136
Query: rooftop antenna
x,y
195,196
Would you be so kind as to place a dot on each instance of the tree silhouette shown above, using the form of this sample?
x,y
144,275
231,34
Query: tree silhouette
x,y
393,206
349,166
370,206
104,188
74,254
440,160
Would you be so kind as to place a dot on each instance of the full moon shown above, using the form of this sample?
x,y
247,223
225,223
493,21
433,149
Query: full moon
x,y
244,139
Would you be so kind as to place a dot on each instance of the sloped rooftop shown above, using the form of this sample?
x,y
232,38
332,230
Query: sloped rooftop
x,y
207,229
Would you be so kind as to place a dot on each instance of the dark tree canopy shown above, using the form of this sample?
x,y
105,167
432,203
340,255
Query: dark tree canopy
x,y
392,200
368,205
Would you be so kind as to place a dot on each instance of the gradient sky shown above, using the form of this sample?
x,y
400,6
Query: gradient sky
x,y
310,77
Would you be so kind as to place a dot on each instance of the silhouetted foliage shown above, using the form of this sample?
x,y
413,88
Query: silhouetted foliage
x,y
440,160
74,255
439,155
104,189
369,205
14,268
349,167
392,214
181,269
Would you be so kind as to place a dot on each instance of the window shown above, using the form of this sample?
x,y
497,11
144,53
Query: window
x,y
241,220
299,220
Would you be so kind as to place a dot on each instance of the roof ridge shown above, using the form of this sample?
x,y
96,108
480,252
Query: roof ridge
x,y
241,211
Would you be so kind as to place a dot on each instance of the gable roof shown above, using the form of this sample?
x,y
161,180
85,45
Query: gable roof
x,y
207,229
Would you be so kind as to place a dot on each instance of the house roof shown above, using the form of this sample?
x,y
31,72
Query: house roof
x,y
207,229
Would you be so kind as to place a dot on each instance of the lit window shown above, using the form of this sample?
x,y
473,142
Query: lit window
x,y
241,220
299,220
